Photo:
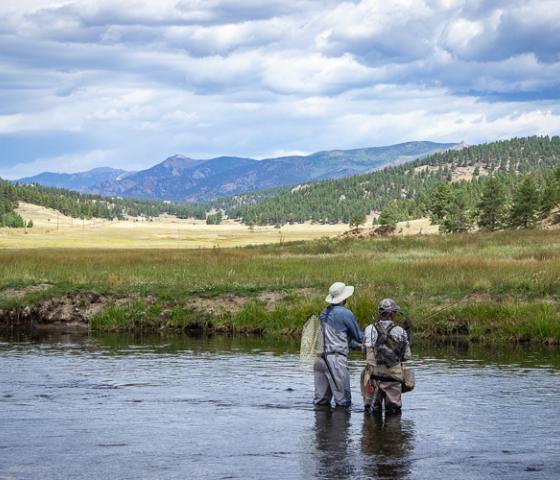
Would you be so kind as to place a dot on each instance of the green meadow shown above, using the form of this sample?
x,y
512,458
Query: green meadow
x,y
487,287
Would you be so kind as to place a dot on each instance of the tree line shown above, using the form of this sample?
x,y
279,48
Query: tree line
x,y
82,206
407,191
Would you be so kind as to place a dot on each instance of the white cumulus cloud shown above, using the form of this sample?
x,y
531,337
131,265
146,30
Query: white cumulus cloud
x,y
143,80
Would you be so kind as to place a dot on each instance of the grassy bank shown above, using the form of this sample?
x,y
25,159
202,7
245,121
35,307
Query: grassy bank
x,y
502,286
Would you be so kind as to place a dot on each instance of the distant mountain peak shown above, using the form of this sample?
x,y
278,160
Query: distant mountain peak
x,y
102,170
181,178
460,146
178,158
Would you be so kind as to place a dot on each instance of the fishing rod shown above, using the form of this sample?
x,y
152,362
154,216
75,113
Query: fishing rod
x,y
433,314
442,309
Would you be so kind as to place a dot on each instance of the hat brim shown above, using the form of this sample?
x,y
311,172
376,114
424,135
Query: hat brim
x,y
347,293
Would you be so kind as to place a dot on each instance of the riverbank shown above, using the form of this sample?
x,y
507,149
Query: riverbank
x,y
494,287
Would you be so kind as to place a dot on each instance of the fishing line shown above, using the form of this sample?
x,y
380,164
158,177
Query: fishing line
x,y
427,317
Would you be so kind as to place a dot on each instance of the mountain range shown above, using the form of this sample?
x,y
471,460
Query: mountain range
x,y
79,182
179,178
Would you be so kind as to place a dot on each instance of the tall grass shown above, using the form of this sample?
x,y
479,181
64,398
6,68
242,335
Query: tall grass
x,y
508,283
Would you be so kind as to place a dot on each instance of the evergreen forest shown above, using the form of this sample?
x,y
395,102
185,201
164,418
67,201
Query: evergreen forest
x,y
509,176
77,205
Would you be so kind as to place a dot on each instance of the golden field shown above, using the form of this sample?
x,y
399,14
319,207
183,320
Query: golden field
x,y
54,230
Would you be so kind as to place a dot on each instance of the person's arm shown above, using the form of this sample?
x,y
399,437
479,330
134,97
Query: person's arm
x,y
407,354
355,334
367,339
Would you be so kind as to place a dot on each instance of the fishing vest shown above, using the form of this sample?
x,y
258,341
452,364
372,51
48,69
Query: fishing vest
x,y
387,350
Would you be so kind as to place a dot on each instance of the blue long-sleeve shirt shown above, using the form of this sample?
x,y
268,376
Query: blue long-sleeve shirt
x,y
340,329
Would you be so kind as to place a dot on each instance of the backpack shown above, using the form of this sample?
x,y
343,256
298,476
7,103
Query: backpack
x,y
387,350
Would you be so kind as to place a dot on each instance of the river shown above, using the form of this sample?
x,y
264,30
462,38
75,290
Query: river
x,y
117,407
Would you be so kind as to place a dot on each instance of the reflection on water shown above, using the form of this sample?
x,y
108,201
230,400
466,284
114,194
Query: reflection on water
x,y
388,445
170,407
332,443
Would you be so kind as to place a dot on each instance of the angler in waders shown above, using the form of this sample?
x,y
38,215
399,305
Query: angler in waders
x,y
339,332
386,346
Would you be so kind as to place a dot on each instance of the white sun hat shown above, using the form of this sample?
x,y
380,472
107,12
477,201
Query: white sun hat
x,y
338,292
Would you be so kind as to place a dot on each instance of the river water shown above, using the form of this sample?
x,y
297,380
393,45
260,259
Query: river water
x,y
113,407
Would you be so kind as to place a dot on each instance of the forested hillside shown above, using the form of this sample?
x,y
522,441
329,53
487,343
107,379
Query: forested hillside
x,y
407,190
8,202
77,205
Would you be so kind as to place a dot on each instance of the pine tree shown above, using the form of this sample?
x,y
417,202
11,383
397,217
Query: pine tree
x,y
550,194
491,209
389,215
214,219
439,202
525,204
11,220
357,219
458,218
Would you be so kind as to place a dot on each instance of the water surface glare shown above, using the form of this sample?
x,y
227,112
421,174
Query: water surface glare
x,y
186,408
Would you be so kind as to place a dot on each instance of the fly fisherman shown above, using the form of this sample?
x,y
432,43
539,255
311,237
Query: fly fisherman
x,y
339,331
386,346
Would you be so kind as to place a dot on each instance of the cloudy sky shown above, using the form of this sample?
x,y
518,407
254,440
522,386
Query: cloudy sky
x,y
87,83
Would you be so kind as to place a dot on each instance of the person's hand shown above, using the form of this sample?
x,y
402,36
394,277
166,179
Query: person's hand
x,y
359,346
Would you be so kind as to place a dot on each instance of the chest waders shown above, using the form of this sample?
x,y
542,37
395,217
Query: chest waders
x,y
324,353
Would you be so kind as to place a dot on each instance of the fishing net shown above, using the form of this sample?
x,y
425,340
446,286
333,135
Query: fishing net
x,y
311,340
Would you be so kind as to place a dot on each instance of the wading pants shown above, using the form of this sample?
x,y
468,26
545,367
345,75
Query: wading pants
x,y
388,392
333,382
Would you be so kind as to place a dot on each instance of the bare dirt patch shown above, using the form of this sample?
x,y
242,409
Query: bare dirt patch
x,y
233,302
309,292
467,173
72,311
229,302
479,298
270,299
457,173
358,233
22,292
365,233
